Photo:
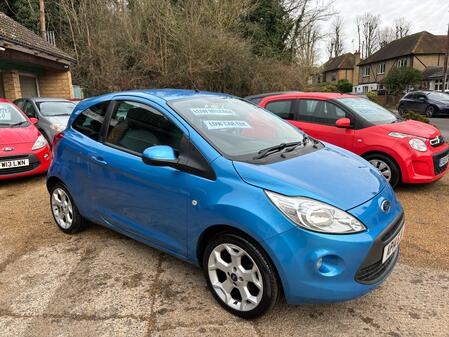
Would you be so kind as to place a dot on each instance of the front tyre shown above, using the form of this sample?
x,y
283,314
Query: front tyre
x,y
430,111
386,166
239,276
64,210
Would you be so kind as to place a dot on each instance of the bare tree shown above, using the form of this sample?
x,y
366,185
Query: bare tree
x,y
335,47
367,28
386,35
402,27
305,14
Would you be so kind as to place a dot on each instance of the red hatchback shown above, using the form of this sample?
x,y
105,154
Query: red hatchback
x,y
23,150
403,151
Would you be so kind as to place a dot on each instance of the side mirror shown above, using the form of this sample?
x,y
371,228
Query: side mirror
x,y
343,123
34,120
160,155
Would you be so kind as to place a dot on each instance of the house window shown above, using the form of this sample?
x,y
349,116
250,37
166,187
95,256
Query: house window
x,y
381,68
402,63
365,89
365,71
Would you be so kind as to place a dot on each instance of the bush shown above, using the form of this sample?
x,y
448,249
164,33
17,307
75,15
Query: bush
x,y
399,79
344,86
372,96
415,116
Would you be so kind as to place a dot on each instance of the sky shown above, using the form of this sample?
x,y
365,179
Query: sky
x,y
429,15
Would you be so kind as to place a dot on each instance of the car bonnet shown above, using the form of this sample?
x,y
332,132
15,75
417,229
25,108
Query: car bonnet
x,y
331,175
414,128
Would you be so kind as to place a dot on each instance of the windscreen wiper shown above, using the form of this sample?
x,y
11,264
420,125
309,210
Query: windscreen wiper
x,y
272,149
304,141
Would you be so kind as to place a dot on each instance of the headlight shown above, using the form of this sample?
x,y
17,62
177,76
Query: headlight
x,y
39,143
418,144
399,135
57,127
316,216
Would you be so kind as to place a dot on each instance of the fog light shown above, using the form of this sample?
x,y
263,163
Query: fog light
x,y
330,265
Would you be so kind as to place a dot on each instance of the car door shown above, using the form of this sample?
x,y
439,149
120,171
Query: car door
x,y
318,117
144,201
421,102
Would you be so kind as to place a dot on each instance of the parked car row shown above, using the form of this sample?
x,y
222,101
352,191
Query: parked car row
x,y
266,207
429,103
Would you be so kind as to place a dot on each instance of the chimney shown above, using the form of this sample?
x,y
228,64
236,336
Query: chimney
x,y
355,73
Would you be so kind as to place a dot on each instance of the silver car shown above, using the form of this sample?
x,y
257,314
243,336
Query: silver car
x,y
52,113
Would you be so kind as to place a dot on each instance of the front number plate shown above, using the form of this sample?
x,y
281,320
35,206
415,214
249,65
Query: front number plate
x,y
444,160
390,248
14,163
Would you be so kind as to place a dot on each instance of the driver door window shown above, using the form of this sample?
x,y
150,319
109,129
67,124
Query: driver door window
x,y
319,112
135,126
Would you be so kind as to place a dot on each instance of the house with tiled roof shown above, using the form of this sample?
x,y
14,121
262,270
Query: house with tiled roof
x,y
421,51
30,66
341,67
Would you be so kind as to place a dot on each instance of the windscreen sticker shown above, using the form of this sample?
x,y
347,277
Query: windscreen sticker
x,y
213,125
207,111
5,115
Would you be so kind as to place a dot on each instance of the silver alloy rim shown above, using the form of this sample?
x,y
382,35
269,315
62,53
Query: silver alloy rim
x,y
383,168
430,111
235,277
62,208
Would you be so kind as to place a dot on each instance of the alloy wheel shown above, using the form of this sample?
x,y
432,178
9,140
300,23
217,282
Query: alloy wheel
x,y
430,111
62,208
235,277
383,168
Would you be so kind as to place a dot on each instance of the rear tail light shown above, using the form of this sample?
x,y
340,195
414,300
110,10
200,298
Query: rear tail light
x,y
57,138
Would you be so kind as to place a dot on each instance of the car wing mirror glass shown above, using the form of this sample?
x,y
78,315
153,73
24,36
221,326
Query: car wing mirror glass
x,y
160,155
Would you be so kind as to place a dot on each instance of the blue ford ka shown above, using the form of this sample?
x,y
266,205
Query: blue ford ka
x,y
263,208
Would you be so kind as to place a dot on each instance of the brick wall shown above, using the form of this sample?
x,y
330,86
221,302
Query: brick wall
x,y
56,84
11,85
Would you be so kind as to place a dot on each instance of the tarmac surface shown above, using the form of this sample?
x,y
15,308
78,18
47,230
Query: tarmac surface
x,y
100,283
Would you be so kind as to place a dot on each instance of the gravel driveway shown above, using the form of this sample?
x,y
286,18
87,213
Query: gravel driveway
x,y
99,283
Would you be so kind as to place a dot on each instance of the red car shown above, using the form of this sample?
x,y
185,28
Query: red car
x,y
23,150
403,151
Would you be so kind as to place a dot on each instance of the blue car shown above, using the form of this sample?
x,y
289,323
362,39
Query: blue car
x,y
216,181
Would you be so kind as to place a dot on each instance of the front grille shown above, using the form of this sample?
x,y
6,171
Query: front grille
x,y
34,163
376,271
372,269
436,162
437,141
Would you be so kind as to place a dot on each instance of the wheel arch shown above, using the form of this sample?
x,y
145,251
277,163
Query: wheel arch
x,y
383,153
212,231
51,181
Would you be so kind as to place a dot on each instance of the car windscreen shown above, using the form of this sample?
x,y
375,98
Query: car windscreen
x,y
439,96
234,127
10,116
370,111
56,108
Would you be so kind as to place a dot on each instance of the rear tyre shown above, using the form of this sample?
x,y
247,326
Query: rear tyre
x,y
386,166
431,111
64,210
240,278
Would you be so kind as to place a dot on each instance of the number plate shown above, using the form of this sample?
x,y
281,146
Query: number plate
x,y
444,160
392,246
14,163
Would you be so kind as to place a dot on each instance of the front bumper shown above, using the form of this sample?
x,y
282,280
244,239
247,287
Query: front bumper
x,y
39,163
319,268
422,167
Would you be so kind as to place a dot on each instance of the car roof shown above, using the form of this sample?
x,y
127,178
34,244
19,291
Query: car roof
x,y
46,99
266,94
317,95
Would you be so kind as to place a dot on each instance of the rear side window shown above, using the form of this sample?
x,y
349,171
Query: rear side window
x,y
135,126
90,121
281,108
320,112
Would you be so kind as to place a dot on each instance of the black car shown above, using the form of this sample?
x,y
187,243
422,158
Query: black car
x,y
430,103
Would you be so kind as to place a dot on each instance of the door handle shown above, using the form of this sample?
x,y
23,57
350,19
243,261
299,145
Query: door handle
x,y
99,160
